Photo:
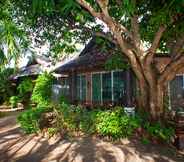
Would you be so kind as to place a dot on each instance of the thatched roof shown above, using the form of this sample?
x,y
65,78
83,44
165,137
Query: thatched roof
x,y
35,66
31,70
90,57
93,57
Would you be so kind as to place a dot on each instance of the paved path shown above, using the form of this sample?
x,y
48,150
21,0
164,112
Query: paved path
x,y
17,147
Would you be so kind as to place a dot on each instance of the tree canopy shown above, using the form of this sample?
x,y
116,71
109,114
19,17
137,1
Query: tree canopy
x,y
62,22
139,28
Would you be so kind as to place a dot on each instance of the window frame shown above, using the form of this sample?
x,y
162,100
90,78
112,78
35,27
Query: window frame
x,y
101,91
80,87
169,89
182,75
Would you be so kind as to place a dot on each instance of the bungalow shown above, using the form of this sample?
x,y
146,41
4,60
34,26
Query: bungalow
x,y
35,66
90,83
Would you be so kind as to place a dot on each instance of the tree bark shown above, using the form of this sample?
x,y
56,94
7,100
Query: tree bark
x,y
152,100
156,102
142,96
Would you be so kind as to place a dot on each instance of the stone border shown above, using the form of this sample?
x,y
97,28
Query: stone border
x,y
11,110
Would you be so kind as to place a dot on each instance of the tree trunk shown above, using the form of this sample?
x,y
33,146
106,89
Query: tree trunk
x,y
152,100
142,97
156,101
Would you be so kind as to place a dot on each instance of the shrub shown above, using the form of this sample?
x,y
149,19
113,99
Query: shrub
x,y
88,121
14,101
25,89
71,116
42,90
115,123
6,88
77,118
63,99
29,120
159,131
26,86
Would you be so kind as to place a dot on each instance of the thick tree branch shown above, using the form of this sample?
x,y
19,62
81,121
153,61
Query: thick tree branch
x,y
106,18
106,36
135,32
114,26
157,38
148,72
104,6
136,67
110,38
152,50
88,7
171,69
178,47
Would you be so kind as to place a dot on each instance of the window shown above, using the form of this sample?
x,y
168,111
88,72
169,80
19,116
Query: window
x,y
60,88
64,86
81,87
110,87
96,88
118,86
177,92
101,87
106,87
78,87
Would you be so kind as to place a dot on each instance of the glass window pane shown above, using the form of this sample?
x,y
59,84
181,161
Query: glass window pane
x,y
96,88
119,87
78,87
65,87
106,87
177,92
83,88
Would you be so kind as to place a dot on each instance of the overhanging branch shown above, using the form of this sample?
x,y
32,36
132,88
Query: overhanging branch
x,y
90,9
135,31
105,17
178,47
171,69
152,50
104,6
116,28
157,39
106,36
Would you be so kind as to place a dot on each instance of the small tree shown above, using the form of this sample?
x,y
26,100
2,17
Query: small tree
x,y
43,89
